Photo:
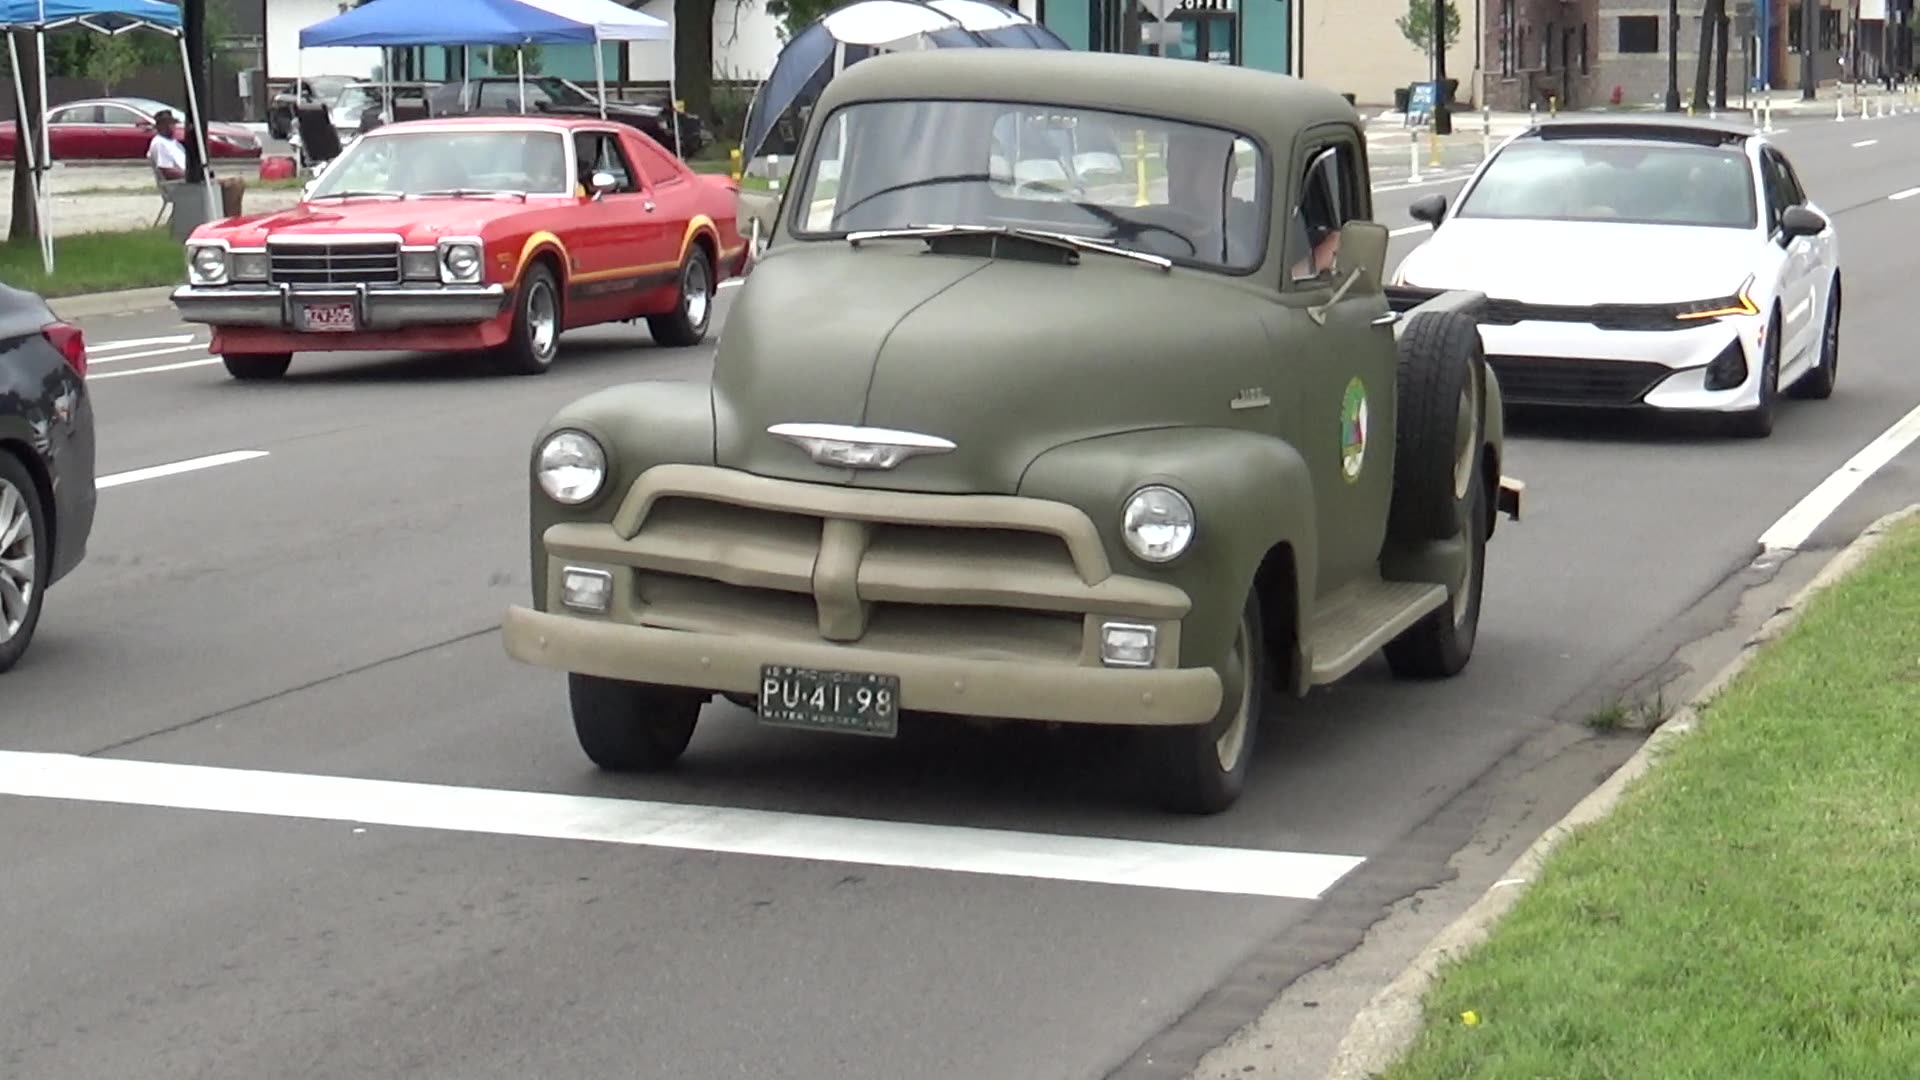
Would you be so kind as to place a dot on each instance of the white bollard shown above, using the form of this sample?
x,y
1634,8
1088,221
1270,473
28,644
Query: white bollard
x,y
1839,110
1413,158
1486,132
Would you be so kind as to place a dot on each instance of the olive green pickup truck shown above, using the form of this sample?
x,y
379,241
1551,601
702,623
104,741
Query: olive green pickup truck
x,y
1067,389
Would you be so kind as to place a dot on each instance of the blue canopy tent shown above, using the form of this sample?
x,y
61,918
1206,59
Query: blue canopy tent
x,y
102,17
519,23
855,31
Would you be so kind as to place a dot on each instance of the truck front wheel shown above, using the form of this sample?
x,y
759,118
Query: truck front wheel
x,y
632,727
1203,768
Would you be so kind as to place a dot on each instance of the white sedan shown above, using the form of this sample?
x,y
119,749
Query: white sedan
x,y
1642,263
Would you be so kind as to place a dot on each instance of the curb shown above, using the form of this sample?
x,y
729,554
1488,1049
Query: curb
x,y
124,302
1386,1027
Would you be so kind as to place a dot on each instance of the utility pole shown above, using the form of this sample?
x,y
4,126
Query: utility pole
x,y
1673,55
1809,31
1442,114
193,28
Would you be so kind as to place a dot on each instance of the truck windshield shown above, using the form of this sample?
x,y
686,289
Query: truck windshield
x,y
1194,194
1632,181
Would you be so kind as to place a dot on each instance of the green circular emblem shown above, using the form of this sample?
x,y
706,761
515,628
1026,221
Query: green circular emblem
x,y
1353,430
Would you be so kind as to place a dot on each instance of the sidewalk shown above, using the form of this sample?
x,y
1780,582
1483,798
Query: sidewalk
x,y
120,207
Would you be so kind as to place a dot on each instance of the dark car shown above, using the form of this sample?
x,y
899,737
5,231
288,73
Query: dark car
x,y
321,88
501,95
46,461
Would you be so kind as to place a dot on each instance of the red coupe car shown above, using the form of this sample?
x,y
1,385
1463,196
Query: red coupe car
x,y
119,129
487,235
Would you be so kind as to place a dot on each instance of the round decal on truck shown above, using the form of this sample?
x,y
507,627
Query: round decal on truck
x,y
1353,430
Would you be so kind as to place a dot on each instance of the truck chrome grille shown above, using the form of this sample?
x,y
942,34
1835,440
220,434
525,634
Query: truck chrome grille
x,y
333,262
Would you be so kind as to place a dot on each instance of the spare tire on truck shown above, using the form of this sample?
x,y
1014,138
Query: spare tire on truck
x,y
1441,405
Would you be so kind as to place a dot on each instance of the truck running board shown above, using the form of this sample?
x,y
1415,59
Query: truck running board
x,y
1354,621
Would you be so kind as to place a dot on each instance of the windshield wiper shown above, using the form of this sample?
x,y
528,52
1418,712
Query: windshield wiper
x,y
357,195
461,192
1066,240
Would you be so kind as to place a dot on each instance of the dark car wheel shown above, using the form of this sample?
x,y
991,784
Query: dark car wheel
x,y
1757,422
1202,769
1817,385
687,323
256,366
535,338
1439,646
632,727
25,560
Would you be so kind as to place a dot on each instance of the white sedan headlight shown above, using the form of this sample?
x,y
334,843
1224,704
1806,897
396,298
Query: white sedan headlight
x,y
1157,524
207,264
572,467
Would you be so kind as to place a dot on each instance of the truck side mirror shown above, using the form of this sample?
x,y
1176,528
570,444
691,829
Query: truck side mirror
x,y
1429,208
1363,247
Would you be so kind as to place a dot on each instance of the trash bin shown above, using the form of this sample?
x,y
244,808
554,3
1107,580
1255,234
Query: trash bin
x,y
230,196
189,210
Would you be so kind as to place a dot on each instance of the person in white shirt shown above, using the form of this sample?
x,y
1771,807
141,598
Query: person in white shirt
x,y
169,156
164,149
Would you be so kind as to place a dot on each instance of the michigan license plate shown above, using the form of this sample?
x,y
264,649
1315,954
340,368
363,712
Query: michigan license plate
x,y
328,318
856,703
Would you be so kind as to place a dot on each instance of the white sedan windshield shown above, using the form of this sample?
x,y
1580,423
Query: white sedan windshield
x,y
416,162
1190,193
1612,179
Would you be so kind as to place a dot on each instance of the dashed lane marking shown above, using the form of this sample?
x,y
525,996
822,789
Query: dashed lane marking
x,y
155,472
93,378
136,343
1289,875
121,358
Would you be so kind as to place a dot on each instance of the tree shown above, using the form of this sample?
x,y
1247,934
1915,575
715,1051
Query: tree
x,y
25,224
114,59
1713,19
796,15
1417,25
693,54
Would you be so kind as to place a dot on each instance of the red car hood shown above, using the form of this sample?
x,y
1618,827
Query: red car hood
x,y
415,220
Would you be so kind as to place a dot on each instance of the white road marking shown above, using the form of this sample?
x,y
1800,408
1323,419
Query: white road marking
x,y
1410,230
92,378
1819,504
142,354
155,472
545,815
1865,142
731,283
1907,194
135,343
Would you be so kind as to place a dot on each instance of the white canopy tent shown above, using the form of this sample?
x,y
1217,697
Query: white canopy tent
x,y
612,22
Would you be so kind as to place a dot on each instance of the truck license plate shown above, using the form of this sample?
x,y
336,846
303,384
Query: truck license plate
x,y
852,702
328,318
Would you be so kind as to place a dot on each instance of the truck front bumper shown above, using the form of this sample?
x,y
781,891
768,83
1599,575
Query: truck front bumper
x,y
377,308
1000,689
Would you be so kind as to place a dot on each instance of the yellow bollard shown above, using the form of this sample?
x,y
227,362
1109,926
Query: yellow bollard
x,y
1433,147
733,156
1553,105
1140,167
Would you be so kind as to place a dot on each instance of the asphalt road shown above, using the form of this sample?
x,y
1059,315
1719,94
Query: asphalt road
x,y
326,607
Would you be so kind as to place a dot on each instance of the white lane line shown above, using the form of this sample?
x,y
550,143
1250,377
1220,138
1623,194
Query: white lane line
x,y
1410,230
731,283
142,354
136,343
92,378
1798,523
155,472
1907,194
1865,142
1188,867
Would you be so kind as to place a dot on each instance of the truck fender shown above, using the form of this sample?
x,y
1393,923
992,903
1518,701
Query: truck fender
x,y
1250,493
638,426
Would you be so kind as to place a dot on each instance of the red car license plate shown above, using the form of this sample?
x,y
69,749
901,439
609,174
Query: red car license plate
x,y
328,318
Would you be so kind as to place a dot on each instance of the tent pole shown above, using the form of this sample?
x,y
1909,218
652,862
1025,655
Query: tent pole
x,y
466,69
673,93
520,70
205,178
600,71
46,148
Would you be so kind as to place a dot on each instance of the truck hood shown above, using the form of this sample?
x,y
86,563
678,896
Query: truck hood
x,y
1005,357
415,220
1579,262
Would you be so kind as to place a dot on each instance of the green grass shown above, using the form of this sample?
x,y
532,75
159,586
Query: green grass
x,y
1752,910
96,262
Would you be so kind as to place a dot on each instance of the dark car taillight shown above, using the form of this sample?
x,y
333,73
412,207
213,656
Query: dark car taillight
x,y
71,342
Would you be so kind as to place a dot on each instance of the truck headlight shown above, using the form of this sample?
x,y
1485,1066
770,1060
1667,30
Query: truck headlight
x,y
572,467
207,264
460,263
1157,524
